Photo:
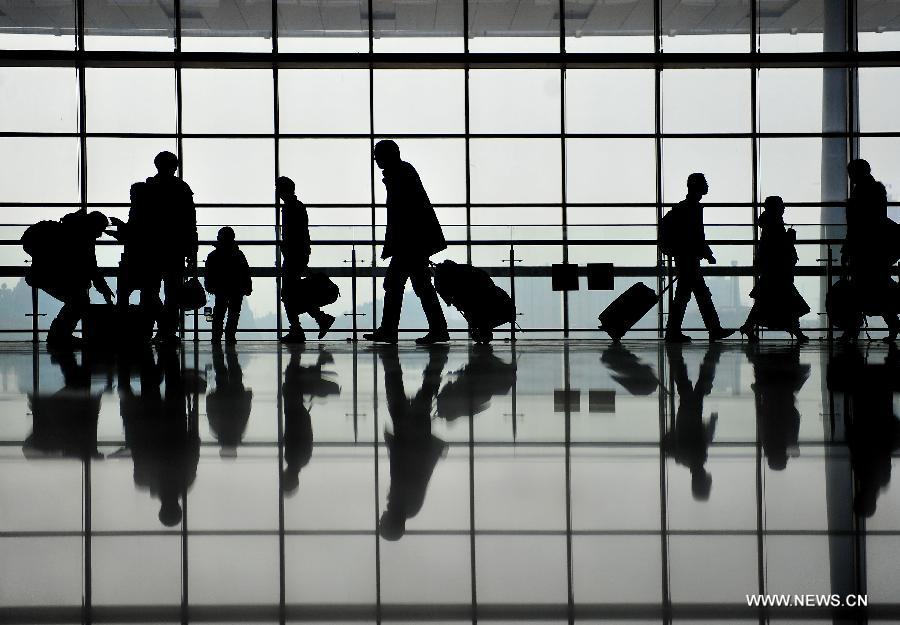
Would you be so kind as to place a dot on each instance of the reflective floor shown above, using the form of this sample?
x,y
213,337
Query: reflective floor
x,y
543,482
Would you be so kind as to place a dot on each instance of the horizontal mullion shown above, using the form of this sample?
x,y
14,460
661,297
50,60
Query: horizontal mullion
x,y
37,134
461,60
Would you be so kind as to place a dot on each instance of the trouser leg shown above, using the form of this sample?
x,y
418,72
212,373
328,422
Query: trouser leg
x,y
234,314
72,311
219,309
394,286
683,290
705,303
171,312
424,289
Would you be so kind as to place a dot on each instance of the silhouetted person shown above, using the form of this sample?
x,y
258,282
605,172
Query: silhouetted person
x,y
173,234
473,387
301,381
228,406
295,249
228,278
872,427
161,432
412,236
413,451
688,441
866,250
138,271
66,272
778,376
64,423
778,305
637,377
691,249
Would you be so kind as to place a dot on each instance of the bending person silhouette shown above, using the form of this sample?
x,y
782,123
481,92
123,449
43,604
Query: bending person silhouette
x,y
64,265
866,252
689,439
413,451
412,236
778,305
137,268
690,248
295,249
228,406
173,237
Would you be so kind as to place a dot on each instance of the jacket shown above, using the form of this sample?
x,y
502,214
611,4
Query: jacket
x,y
413,230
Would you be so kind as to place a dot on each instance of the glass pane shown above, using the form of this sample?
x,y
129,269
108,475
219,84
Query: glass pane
x,y
513,26
322,26
791,168
521,570
230,171
878,25
417,101
323,100
234,25
706,100
610,170
712,569
515,170
590,107
328,171
793,26
725,163
115,164
441,164
617,569
514,101
227,101
418,26
25,27
722,26
40,99
130,100
609,26
788,99
37,169
129,25
157,581
878,87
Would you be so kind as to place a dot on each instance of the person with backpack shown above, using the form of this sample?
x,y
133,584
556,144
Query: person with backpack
x,y
228,278
172,234
64,265
412,236
296,247
683,238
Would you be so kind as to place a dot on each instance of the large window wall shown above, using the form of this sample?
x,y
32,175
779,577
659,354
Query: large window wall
x,y
548,133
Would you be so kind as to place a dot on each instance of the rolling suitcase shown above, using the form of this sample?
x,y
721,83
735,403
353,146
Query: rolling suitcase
x,y
470,290
629,308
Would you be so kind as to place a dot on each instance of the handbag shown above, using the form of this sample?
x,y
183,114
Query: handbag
x,y
192,295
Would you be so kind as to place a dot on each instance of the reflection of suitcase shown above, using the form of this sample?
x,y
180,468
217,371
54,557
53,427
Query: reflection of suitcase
x,y
629,308
108,326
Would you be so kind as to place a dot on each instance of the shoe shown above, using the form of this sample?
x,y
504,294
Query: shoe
x,y
216,338
381,336
677,337
293,337
720,333
434,336
749,332
231,339
325,325
166,339
892,336
800,337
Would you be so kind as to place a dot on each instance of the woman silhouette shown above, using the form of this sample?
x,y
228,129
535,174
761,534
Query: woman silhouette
x,y
778,305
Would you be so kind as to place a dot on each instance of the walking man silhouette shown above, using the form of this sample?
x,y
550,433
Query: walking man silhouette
x,y
174,236
413,235
691,248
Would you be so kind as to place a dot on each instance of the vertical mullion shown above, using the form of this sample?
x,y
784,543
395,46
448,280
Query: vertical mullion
x,y
851,46
279,416
657,144
377,477
754,130
276,129
570,582
373,214
467,131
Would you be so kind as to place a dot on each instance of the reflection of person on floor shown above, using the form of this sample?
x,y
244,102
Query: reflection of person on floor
x,y
161,433
228,406
688,441
64,423
300,380
413,451
778,377
873,430
473,387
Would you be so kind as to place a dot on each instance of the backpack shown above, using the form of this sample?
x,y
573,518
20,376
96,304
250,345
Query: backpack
x,y
43,238
668,233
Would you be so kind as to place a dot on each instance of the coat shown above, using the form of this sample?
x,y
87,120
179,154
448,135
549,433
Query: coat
x,y
227,272
413,230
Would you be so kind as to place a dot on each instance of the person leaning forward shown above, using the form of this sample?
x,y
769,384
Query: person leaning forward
x,y
412,236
